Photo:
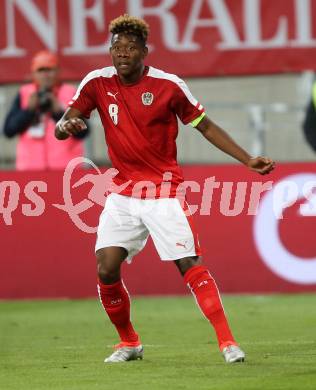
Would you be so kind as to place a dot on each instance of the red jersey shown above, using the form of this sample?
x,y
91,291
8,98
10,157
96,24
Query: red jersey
x,y
140,123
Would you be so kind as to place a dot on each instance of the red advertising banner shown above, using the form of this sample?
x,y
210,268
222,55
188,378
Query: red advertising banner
x,y
47,224
189,38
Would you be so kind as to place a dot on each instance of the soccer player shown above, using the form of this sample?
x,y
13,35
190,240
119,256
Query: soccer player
x,y
139,106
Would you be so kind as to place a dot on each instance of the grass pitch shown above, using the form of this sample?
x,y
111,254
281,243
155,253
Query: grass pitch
x,y
62,344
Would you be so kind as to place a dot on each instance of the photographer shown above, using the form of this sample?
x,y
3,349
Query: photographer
x,y
33,116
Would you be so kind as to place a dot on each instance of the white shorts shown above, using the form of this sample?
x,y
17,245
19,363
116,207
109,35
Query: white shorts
x,y
127,222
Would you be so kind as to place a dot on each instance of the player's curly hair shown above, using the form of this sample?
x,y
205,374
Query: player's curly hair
x,y
130,25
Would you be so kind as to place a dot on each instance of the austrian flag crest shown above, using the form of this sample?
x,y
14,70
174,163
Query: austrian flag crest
x,y
147,98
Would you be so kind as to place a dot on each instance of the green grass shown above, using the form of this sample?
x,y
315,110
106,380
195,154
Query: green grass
x,y
62,344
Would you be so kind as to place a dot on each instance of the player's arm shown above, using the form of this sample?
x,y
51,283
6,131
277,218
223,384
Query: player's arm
x,y
219,138
71,123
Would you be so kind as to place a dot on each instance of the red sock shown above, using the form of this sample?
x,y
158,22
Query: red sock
x,y
115,301
205,291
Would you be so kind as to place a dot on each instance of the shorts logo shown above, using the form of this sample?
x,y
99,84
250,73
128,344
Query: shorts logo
x,y
182,245
147,98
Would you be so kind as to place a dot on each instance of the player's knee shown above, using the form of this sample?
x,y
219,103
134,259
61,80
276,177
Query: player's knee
x,y
108,268
107,275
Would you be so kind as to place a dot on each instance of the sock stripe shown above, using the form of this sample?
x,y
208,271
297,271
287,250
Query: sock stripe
x,y
197,303
219,295
99,293
129,297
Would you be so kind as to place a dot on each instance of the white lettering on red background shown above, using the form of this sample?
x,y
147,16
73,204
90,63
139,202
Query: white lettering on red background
x,y
211,28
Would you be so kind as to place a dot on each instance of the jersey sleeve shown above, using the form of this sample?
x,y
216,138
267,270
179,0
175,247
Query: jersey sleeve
x,y
84,98
187,108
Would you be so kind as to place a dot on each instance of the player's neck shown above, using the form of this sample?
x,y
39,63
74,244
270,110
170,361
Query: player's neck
x,y
132,78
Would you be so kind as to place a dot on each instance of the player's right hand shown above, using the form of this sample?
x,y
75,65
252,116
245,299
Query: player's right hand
x,y
72,126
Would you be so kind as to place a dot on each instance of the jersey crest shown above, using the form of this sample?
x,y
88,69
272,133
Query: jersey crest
x,y
147,98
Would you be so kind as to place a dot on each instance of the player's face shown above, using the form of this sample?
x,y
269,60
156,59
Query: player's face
x,y
128,54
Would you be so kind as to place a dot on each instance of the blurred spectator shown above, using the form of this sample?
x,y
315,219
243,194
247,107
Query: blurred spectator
x,y
33,116
309,125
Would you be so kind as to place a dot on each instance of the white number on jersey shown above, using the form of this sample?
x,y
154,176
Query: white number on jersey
x,y
113,111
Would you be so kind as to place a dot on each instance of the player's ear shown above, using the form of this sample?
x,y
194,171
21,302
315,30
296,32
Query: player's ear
x,y
145,51
111,43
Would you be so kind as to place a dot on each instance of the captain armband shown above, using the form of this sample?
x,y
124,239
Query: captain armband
x,y
196,121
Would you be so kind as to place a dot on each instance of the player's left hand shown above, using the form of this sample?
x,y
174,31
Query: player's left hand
x,y
262,165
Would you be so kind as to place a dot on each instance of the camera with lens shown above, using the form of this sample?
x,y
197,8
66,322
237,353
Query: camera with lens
x,y
44,100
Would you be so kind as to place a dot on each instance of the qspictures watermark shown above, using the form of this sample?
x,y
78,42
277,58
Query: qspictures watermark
x,y
235,197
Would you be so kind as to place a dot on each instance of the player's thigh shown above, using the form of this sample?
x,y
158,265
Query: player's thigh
x,y
110,258
172,229
186,263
